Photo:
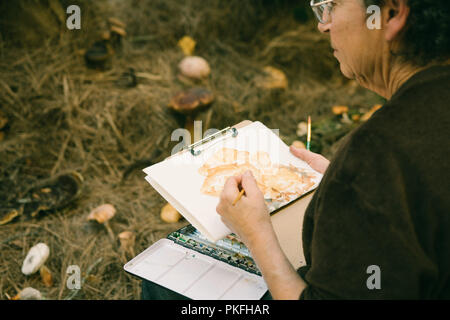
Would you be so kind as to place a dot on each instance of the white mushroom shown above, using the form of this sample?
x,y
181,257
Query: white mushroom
x,y
35,258
194,67
28,294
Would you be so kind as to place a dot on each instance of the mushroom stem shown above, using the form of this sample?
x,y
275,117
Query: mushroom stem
x,y
189,125
110,232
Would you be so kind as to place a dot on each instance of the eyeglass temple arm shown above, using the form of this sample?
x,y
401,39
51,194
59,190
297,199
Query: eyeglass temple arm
x,y
320,3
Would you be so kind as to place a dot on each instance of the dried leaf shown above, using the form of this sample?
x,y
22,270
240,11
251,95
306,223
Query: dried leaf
x,y
187,45
46,276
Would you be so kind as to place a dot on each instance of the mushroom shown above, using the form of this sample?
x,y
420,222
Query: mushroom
x,y
274,79
35,258
28,294
98,55
189,103
116,35
339,110
102,215
127,239
116,22
346,119
194,67
169,214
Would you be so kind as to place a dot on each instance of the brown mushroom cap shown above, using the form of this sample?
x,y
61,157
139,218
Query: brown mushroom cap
x,y
116,22
191,99
118,30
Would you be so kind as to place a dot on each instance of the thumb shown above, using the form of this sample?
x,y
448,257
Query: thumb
x,y
249,184
303,154
315,160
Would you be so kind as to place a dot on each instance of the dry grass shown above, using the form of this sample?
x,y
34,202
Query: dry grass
x,y
67,117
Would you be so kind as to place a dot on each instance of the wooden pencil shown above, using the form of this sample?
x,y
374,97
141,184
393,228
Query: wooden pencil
x,y
238,197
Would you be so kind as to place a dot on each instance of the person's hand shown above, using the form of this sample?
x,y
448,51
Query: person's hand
x,y
250,215
314,160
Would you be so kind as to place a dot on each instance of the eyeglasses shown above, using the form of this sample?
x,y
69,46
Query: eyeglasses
x,y
322,10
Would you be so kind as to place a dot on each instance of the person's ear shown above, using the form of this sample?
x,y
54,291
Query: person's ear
x,y
395,13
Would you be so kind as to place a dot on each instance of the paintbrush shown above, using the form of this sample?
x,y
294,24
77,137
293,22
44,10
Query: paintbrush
x,y
308,137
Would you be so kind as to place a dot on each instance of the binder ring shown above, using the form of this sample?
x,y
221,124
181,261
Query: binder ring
x,y
234,133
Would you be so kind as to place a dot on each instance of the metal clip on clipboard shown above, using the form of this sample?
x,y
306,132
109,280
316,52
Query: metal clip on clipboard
x,y
221,133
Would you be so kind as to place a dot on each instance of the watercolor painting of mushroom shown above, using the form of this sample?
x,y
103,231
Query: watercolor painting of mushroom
x,y
279,183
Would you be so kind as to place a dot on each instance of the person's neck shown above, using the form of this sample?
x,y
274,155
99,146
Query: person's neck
x,y
391,78
397,76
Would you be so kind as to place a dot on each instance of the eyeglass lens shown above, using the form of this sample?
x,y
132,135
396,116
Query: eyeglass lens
x,y
323,12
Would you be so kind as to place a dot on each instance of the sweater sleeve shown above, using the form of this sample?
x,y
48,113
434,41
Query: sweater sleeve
x,y
363,233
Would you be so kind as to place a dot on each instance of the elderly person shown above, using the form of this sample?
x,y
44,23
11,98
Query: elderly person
x,y
383,206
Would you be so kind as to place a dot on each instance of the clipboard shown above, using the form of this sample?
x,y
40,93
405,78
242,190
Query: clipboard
x,y
192,179
187,263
